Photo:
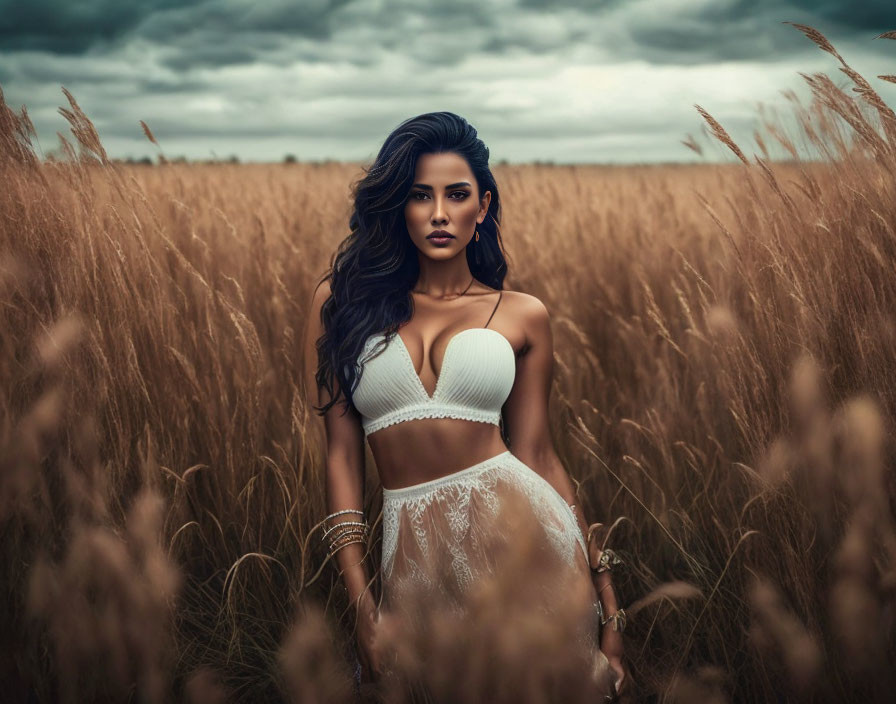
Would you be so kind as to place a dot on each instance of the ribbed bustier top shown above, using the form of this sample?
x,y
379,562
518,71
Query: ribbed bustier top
x,y
476,377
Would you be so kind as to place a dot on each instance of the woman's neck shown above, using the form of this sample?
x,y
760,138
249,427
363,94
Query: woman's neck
x,y
443,278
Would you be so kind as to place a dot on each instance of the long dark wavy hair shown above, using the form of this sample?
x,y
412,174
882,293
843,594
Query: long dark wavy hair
x,y
375,267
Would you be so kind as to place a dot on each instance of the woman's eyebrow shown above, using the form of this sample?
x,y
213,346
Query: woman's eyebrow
x,y
450,185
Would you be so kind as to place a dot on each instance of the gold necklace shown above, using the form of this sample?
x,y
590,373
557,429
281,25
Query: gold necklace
x,y
472,279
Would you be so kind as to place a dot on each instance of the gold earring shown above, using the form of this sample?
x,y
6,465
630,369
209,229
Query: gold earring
x,y
477,235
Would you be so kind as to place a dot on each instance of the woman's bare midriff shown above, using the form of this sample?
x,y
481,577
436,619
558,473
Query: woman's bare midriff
x,y
420,450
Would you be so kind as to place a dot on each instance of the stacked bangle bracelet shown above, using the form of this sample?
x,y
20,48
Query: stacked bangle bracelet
x,y
618,618
607,560
345,533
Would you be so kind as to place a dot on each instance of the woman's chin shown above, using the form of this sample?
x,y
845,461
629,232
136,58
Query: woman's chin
x,y
441,252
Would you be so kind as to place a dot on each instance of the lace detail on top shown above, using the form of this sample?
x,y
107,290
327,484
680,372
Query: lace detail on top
x,y
476,377
431,411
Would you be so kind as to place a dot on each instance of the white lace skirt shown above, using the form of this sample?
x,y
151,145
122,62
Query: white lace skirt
x,y
441,537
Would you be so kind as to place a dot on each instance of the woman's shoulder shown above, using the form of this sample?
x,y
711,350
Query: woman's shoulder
x,y
525,306
313,323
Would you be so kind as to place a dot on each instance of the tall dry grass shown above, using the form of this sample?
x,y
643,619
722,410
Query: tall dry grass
x,y
724,397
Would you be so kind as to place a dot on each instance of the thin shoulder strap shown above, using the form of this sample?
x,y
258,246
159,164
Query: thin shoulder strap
x,y
500,293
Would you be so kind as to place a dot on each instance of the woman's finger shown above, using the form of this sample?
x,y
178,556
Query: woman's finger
x,y
619,671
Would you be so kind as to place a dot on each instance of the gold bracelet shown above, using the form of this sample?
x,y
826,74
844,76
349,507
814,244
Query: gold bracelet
x,y
348,533
333,551
342,525
348,536
607,560
343,512
362,532
619,620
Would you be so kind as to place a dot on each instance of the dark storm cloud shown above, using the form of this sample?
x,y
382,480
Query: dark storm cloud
x,y
690,33
305,18
208,33
866,15
854,14
560,79
71,27
74,26
209,53
576,4
750,29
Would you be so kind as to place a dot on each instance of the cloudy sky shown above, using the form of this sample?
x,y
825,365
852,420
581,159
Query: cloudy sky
x,y
562,80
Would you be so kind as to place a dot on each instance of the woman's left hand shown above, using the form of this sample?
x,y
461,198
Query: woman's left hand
x,y
621,674
611,645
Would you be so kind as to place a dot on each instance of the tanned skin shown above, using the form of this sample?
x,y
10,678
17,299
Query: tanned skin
x,y
444,196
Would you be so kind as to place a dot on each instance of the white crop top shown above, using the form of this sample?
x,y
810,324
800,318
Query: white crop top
x,y
475,380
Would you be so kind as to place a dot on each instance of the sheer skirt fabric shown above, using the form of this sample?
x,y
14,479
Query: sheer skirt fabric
x,y
443,536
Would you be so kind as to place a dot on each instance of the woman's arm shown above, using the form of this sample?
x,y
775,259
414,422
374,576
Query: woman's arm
x,y
344,441
528,429
526,409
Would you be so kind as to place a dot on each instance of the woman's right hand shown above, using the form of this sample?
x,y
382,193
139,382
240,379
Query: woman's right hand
x,y
369,646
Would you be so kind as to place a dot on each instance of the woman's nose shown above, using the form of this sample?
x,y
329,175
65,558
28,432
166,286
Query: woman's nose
x,y
438,211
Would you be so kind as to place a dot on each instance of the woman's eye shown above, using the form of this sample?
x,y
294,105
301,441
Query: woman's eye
x,y
420,195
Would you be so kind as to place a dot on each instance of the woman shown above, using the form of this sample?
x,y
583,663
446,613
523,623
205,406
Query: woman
x,y
422,353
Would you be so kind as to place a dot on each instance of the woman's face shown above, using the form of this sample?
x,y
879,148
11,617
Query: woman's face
x,y
444,197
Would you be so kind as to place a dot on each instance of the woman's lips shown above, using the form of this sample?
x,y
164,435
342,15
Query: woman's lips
x,y
440,237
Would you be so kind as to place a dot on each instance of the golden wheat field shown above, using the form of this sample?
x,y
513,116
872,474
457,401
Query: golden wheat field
x,y
724,397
